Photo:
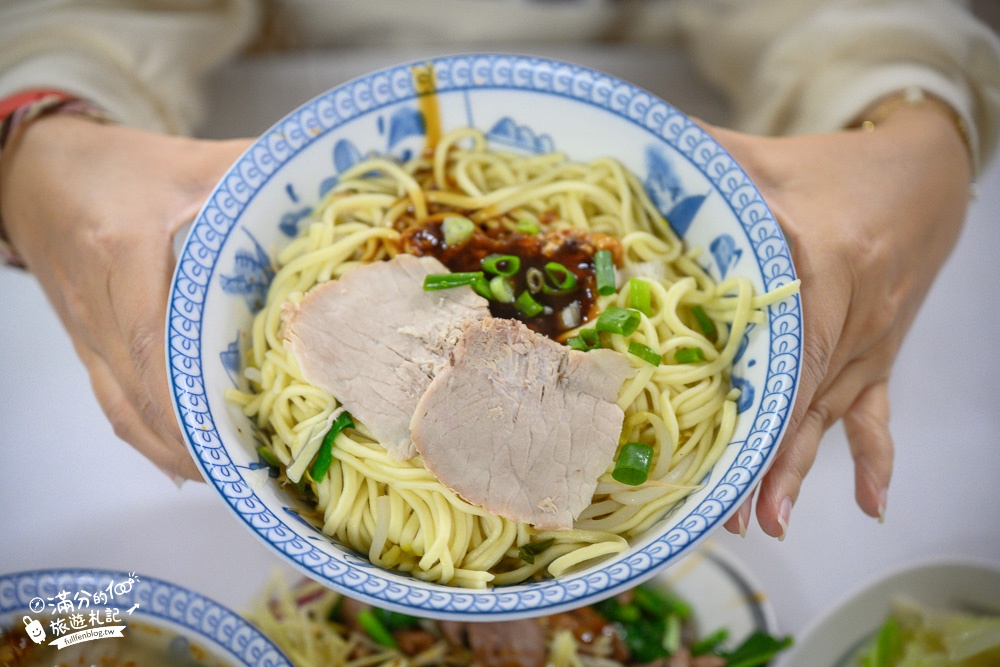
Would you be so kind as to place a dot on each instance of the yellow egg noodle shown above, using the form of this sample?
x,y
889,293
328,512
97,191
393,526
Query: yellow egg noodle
x,y
396,511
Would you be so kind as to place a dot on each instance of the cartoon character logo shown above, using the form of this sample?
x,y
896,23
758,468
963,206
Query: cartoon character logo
x,y
35,630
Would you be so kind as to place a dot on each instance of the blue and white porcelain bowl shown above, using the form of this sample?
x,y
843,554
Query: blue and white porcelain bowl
x,y
64,608
524,104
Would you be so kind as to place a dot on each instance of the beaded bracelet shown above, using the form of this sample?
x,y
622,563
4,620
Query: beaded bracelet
x,y
20,110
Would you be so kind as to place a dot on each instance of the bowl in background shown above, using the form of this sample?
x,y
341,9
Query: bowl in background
x,y
56,608
959,584
522,104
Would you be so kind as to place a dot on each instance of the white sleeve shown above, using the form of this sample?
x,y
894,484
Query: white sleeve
x,y
798,66
141,60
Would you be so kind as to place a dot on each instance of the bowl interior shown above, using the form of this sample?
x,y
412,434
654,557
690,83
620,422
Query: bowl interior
x,y
522,104
71,605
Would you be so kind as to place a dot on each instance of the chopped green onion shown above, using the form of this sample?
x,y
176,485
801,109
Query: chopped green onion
x,y
688,355
268,457
436,281
561,278
604,272
325,456
633,463
501,289
457,230
613,610
638,295
619,320
528,552
535,279
585,340
527,226
644,352
503,265
527,305
371,624
705,323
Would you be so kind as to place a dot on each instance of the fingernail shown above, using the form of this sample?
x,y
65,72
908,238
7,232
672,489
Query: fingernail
x,y
743,522
784,512
178,480
882,498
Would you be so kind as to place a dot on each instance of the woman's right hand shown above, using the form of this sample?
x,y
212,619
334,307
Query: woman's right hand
x,y
92,210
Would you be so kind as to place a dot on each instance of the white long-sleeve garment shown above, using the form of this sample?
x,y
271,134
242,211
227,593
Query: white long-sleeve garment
x,y
787,66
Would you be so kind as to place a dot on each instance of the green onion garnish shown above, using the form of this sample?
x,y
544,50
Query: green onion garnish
x,y
268,457
585,340
371,624
436,281
528,552
705,323
672,634
644,352
688,355
535,279
660,603
324,458
561,278
503,265
527,226
527,305
619,320
604,272
502,289
633,463
638,295
457,230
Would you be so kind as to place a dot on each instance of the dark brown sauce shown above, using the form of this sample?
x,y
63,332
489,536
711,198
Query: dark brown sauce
x,y
572,248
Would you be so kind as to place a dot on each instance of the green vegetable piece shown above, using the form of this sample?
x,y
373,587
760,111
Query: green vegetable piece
x,y
688,355
658,602
502,265
559,277
457,229
527,226
705,323
633,463
501,289
613,610
394,620
604,272
757,650
709,643
436,281
585,340
622,321
527,305
268,457
528,552
370,623
639,296
324,458
645,639
645,353
671,641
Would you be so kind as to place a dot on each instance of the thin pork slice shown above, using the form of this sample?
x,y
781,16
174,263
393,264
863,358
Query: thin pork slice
x,y
375,338
521,425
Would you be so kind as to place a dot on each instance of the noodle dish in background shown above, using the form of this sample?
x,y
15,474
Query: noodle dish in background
x,y
484,337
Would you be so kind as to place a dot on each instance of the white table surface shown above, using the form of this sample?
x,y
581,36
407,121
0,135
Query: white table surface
x,y
75,495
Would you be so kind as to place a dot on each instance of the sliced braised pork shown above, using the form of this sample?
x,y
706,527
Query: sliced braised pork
x,y
374,339
521,425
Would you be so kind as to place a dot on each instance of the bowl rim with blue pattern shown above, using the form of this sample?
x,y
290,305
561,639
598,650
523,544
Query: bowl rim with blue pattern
x,y
522,103
224,634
